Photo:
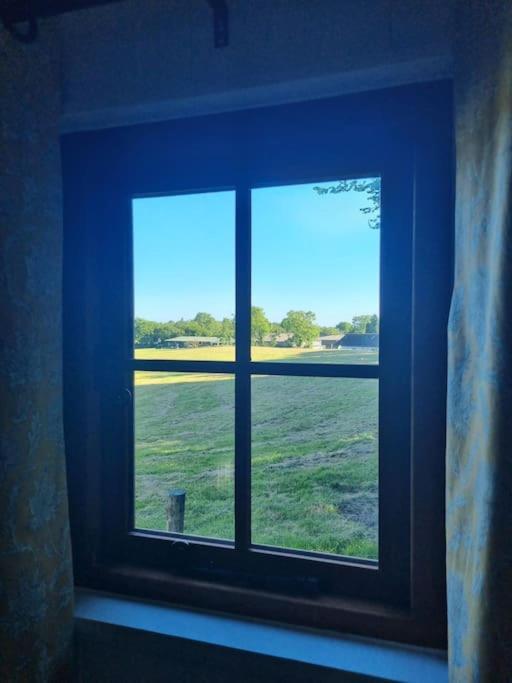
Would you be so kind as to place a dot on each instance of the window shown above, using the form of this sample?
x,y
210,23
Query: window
x,y
313,457
254,360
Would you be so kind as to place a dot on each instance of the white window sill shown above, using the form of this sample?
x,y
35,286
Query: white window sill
x,y
349,654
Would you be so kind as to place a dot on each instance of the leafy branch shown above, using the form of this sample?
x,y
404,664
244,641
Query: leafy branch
x,y
371,187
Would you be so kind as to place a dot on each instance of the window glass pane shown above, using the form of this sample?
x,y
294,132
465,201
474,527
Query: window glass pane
x,y
315,464
184,442
315,280
184,276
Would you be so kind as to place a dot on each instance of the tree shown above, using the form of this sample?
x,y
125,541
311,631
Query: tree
x,y
370,186
207,326
227,330
276,328
143,332
187,328
164,331
324,331
373,326
365,324
260,325
359,323
302,326
344,327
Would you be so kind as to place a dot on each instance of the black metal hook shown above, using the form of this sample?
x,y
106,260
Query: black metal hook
x,y
28,36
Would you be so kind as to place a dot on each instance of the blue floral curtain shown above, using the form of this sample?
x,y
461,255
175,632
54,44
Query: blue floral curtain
x,y
35,563
479,449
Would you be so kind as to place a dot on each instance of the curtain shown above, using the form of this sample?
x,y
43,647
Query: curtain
x,y
479,440
35,561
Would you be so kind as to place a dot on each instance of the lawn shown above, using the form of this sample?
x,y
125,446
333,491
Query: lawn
x,y
314,452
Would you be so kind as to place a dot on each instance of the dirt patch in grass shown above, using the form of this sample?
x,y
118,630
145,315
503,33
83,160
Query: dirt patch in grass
x,y
313,460
361,507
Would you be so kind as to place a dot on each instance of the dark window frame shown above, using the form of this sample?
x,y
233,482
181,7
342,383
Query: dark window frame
x,y
407,140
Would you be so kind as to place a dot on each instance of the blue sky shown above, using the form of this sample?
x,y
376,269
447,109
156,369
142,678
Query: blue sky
x,y
309,252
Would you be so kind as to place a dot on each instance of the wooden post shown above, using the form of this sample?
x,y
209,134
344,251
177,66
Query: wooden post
x,y
175,510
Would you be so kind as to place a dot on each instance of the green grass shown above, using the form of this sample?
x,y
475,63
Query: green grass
x,y
314,452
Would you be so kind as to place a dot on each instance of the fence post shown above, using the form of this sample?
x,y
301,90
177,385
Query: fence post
x,y
175,510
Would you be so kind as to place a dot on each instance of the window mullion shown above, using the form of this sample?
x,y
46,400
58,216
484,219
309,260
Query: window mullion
x,y
242,371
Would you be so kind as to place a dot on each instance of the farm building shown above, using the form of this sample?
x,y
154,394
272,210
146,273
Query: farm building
x,y
366,340
187,342
330,341
282,340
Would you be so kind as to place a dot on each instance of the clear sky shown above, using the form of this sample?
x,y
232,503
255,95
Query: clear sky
x,y
309,252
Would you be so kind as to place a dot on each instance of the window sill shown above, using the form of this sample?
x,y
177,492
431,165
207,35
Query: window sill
x,y
361,657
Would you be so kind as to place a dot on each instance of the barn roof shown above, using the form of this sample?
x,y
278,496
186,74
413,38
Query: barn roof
x,y
364,339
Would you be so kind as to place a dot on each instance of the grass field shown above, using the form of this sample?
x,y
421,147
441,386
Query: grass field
x,y
314,451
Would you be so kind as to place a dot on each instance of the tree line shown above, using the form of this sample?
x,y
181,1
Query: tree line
x,y
301,326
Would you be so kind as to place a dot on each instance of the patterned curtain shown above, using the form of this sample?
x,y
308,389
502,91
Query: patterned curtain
x,y
479,451
35,563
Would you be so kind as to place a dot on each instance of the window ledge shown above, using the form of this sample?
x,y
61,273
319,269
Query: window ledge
x,y
379,660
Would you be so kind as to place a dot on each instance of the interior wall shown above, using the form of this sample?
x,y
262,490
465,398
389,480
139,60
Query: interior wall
x,y
140,60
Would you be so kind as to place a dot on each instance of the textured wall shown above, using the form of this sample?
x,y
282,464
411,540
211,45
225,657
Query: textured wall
x,y
35,571
121,64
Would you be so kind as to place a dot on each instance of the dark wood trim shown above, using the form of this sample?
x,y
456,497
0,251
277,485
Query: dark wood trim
x,y
342,615
200,366
22,11
242,376
257,368
314,370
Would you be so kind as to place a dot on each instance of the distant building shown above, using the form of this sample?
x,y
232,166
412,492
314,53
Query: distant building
x,y
189,342
283,339
360,340
329,341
